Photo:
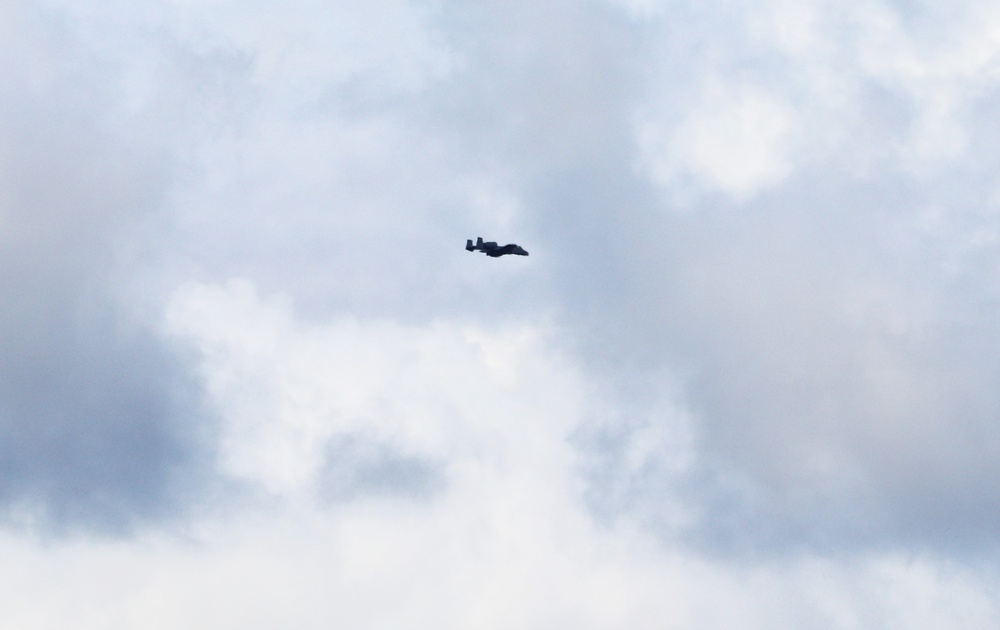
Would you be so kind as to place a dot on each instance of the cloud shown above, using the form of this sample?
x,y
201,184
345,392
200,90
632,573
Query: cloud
x,y
808,415
94,410
739,144
325,391
746,378
504,541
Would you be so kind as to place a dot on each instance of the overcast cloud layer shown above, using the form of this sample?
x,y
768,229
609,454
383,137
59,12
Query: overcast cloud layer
x,y
749,376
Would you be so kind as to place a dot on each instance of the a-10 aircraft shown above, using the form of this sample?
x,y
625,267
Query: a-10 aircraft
x,y
490,248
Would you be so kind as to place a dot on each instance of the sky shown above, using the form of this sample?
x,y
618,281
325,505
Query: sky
x,y
747,378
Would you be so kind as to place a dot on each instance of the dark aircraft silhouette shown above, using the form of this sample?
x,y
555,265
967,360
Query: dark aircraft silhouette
x,y
490,248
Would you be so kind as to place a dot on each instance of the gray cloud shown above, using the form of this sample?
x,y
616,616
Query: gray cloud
x,y
96,416
356,467
837,345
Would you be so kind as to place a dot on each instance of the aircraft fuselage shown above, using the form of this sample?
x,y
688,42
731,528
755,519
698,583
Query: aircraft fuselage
x,y
493,250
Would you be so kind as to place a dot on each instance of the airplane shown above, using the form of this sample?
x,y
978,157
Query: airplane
x,y
490,248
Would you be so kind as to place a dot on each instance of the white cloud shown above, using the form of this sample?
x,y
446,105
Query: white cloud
x,y
737,140
297,53
797,86
460,565
457,396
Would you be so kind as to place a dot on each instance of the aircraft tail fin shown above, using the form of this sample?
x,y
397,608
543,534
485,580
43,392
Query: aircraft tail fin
x,y
479,242
468,245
